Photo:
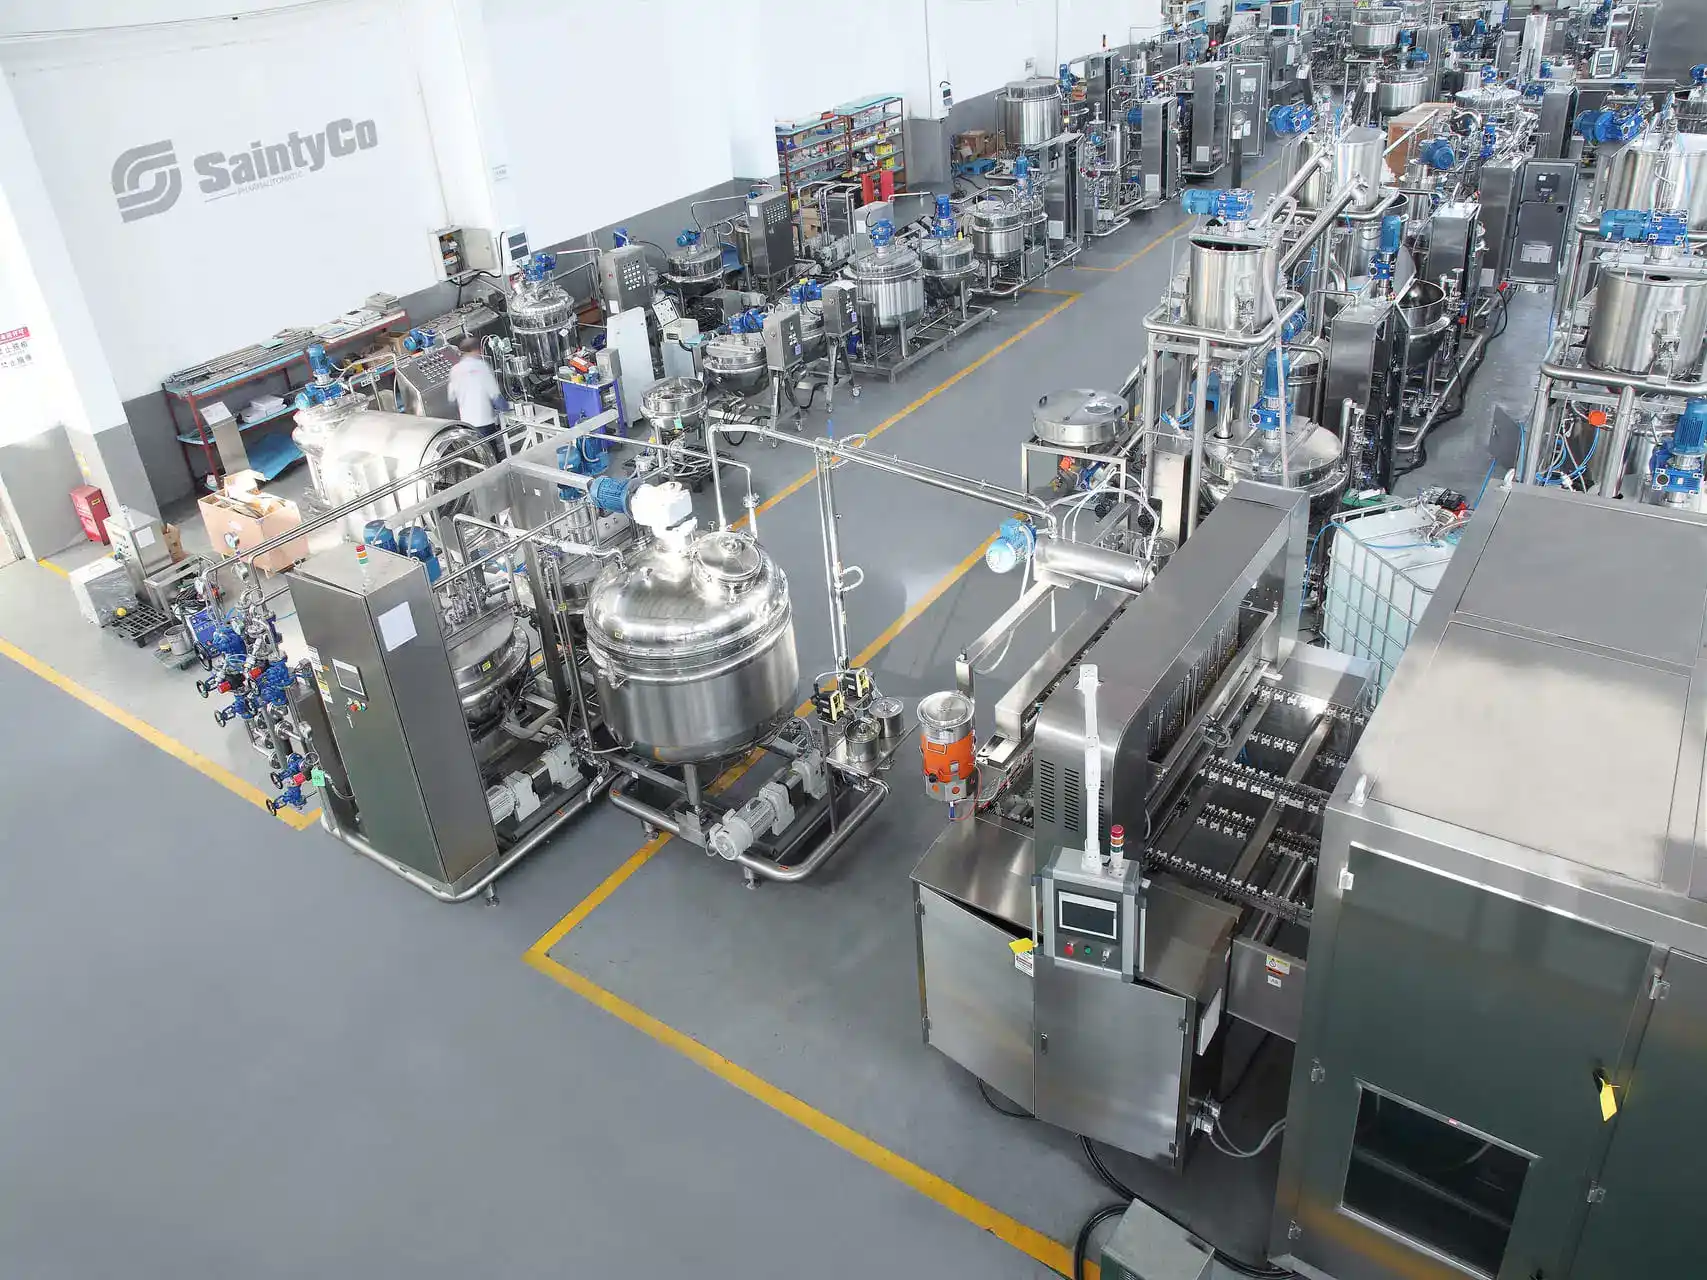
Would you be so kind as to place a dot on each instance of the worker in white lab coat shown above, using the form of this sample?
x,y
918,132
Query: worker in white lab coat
x,y
473,387
1534,43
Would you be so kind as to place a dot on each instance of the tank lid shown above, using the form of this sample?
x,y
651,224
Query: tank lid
x,y
887,262
1033,87
946,711
1079,407
666,609
728,557
672,398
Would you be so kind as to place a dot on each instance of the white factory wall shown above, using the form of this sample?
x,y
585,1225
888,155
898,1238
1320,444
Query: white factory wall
x,y
610,109
562,115
235,257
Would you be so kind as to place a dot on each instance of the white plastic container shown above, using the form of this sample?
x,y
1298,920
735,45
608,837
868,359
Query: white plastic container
x,y
1382,573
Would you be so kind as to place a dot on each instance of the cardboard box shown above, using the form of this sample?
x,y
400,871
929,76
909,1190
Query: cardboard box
x,y
174,537
240,516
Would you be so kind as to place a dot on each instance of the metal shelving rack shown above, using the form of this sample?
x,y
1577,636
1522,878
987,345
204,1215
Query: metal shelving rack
x,y
811,150
849,141
284,357
875,131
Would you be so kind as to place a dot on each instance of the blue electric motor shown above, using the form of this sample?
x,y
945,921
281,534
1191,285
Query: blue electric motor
x,y
1609,124
1677,464
612,493
376,533
1014,542
1234,205
1437,154
325,386
415,543
1292,118
943,226
1638,226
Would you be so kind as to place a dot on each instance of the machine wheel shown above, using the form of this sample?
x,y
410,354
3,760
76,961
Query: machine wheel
x,y
854,391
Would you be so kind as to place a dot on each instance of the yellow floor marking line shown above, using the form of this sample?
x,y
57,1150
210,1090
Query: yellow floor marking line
x,y
1011,1231
154,737
51,567
797,485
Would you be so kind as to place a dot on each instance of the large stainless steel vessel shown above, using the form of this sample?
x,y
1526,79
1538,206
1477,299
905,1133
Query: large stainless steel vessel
x,y
1315,462
890,286
316,424
693,647
1232,284
1640,313
1497,104
695,267
489,664
1422,307
998,228
947,265
542,320
1376,29
1633,176
734,360
1357,154
1030,110
1079,418
672,401
371,448
1398,92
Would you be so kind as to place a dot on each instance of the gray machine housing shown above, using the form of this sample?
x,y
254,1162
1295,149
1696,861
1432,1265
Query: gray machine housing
x,y
1510,919
1158,162
1456,246
1210,115
385,680
1544,202
625,277
769,226
1247,95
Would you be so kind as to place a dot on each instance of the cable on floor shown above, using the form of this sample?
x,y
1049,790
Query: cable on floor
x,y
1082,1242
1019,1113
1228,1260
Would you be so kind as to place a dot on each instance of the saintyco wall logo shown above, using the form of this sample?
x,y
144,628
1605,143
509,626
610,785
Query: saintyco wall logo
x,y
147,179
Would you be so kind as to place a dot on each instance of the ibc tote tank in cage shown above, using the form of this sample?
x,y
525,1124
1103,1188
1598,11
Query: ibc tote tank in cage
x,y
1383,568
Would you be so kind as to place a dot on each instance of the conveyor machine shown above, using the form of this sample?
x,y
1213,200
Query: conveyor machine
x,y
1089,970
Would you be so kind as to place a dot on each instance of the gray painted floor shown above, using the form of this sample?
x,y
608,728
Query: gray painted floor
x,y
236,1049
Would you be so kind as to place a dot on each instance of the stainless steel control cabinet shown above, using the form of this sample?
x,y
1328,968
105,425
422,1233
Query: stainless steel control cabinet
x,y
392,703
1498,1071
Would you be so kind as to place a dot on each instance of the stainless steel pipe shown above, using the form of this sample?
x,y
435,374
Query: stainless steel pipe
x,y
1096,566
1306,170
1317,227
948,481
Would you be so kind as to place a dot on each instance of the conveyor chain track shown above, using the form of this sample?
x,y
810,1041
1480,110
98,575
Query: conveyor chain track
x,y
1226,886
1287,698
1264,785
